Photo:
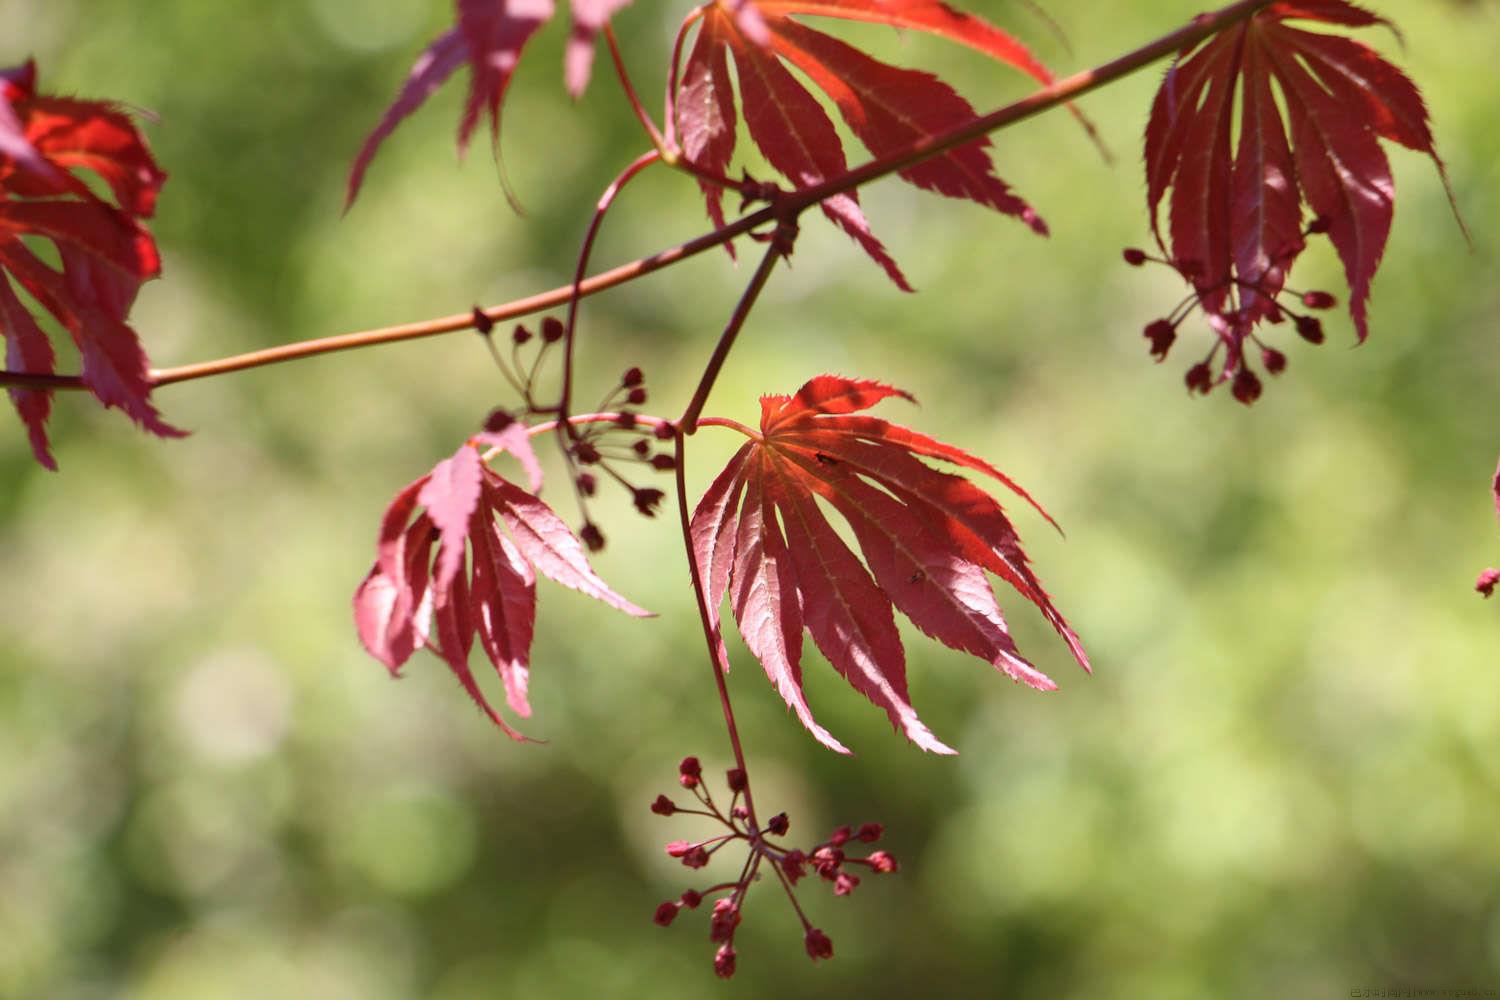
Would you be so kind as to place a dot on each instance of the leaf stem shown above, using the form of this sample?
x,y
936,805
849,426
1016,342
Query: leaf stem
x,y
705,618
657,139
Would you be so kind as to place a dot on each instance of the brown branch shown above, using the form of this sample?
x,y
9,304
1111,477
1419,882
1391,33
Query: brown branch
x,y
1060,92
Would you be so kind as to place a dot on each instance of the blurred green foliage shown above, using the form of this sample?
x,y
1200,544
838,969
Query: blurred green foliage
x,y
1282,780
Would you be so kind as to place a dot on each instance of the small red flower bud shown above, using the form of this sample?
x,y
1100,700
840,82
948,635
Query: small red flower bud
x,y
840,836
1162,335
778,825
740,812
1199,378
677,848
637,396
1310,329
520,334
1274,360
724,962
552,329
663,463
818,945
794,865
482,323
665,914
1487,581
625,419
725,919
1246,386
736,779
691,899
1318,225
689,771
695,858
587,484
646,500
632,378
498,420
586,452
1319,300
870,832
663,806
664,432
592,536
1134,256
844,883
882,863
641,447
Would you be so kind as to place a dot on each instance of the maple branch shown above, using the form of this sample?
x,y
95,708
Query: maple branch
x,y
1060,92
780,246
705,616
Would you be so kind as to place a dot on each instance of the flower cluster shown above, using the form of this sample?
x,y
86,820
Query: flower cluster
x,y
830,860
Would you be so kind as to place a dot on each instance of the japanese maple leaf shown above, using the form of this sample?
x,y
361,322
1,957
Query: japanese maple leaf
x,y
1236,220
886,107
489,36
449,574
928,537
103,249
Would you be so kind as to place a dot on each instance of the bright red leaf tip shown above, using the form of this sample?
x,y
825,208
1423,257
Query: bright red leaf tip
x,y
761,537
104,250
1309,109
489,36
481,581
887,108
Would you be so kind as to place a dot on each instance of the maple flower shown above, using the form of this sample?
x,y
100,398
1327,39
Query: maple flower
x,y
1309,109
423,579
1490,578
104,250
928,539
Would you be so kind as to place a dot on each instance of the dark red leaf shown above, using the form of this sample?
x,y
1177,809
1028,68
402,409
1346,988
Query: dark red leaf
x,y
1310,108
927,538
105,251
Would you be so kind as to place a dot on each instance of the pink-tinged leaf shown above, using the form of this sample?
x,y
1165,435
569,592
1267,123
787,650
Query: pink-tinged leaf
x,y
548,544
495,31
382,630
27,349
796,136
848,616
1327,11
99,137
713,530
929,16
891,109
431,70
706,121
504,597
1265,222
768,608
589,18
451,495
516,440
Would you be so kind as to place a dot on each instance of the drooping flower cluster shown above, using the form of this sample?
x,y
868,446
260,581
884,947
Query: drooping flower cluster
x,y
830,860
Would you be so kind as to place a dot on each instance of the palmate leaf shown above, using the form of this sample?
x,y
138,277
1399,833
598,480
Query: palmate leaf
x,y
1310,108
481,582
761,537
488,37
887,108
104,250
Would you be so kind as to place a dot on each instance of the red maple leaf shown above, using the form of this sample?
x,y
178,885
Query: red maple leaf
x,y
928,537
104,251
480,581
489,36
1236,221
886,107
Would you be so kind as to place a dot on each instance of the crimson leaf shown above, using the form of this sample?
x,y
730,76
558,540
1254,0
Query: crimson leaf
x,y
104,251
761,537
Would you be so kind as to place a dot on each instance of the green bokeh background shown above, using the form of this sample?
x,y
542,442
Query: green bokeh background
x,y
1281,781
